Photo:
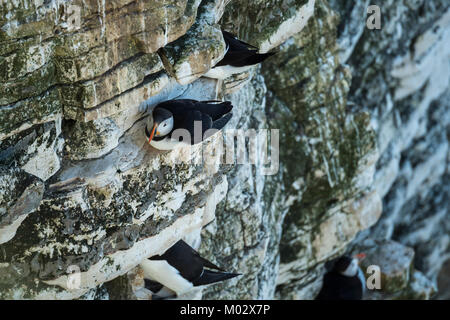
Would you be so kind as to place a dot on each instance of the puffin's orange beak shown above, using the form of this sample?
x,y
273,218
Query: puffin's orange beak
x,y
152,133
360,257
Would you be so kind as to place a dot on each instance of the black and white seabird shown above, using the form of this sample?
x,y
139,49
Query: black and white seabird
x,y
178,270
239,57
168,116
345,281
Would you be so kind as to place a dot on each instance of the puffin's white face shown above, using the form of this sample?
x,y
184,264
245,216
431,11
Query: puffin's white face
x,y
164,127
352,269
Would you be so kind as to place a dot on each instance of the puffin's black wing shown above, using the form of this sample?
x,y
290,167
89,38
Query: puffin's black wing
x,y
193,118
208,277
339,287
220,123
330,288
240,53
183,246
186,260
179,108
206,263
243,58
180,257
214,110
352,290
235,44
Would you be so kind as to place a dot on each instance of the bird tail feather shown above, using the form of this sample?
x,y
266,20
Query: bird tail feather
x,y
260,57
209,264
209,277
211,101
221,122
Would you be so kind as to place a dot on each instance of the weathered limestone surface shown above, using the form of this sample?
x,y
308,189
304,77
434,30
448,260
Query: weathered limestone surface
x,y
308,170
21,194
399,279
187,58
80,55
401,77
363,127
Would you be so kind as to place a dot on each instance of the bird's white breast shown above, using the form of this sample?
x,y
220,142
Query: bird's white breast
x,y
166,144
162,272
165,293
223,72
362,278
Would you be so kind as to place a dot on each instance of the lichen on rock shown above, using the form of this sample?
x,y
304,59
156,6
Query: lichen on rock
x,y
187,58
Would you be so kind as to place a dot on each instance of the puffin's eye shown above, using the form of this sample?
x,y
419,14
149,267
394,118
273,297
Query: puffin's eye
x,y
165,124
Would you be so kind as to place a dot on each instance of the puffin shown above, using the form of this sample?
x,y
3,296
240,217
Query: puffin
x,y
239,57
178,270
345,281
186,122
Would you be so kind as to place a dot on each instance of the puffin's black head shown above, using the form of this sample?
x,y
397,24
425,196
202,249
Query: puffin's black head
x,y
160,124
348,266
342,264
160,115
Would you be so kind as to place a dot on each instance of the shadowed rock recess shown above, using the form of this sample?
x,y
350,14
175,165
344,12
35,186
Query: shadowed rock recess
x,y
364,126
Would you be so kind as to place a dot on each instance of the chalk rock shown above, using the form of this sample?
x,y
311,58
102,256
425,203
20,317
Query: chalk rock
x,y
20,195
395,262
199,49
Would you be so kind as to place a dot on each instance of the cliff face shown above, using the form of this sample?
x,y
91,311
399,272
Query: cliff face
x,y
401,76
363,136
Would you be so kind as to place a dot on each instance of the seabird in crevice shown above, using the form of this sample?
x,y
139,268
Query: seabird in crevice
x,y
169,116
239,57
345,281
178,270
